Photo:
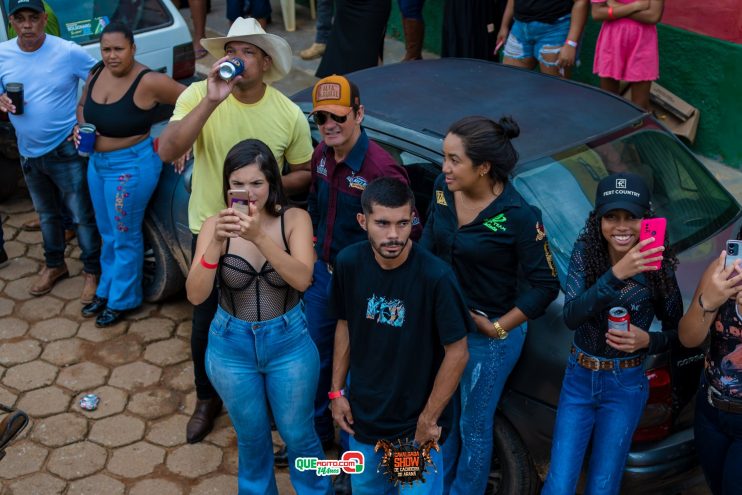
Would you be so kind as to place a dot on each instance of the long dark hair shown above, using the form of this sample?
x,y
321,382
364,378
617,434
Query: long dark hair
x,y
488,141
256,152
597,259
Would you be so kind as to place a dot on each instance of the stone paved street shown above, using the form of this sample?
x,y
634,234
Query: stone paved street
x,y
50,356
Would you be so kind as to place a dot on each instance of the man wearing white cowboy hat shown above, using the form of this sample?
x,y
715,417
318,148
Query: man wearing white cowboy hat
x,y
212,116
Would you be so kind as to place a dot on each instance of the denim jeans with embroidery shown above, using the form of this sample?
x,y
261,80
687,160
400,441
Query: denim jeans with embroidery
x,y
57,180
490,363
121,183
605,405
253,364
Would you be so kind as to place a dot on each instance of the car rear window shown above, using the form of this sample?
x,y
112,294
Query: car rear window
x,y
82,21
563,186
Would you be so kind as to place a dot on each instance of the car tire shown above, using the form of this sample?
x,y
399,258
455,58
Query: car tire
x,y
10,176
162,277
512,471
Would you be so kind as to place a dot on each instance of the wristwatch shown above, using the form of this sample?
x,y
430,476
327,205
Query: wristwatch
x,y
499,331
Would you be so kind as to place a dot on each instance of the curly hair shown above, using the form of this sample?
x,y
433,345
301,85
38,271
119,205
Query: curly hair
x,y
597,259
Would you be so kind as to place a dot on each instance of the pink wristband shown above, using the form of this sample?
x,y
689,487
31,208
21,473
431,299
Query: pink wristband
x,y
335,394
571,43
207,265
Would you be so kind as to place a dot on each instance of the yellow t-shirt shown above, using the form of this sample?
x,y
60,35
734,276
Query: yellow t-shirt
x,y
275,120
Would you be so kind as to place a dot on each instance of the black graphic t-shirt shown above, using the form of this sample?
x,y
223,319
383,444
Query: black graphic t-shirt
x,y
724,359
398,322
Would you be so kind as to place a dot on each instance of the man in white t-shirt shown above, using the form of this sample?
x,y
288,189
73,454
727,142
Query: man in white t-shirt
x,y
50,70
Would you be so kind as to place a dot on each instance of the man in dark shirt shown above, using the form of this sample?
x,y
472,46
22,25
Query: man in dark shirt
x,y
343,164
401,332
546,32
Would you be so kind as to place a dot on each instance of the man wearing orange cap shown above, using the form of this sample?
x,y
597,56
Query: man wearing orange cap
x,y
343,164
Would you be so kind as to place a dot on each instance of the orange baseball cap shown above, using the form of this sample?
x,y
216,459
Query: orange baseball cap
x,y
335,94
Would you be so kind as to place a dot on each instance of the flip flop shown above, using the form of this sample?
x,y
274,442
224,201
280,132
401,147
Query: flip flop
x,y
201,53
11,426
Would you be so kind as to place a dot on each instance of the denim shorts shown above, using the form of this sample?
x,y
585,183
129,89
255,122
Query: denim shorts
x,y
536,39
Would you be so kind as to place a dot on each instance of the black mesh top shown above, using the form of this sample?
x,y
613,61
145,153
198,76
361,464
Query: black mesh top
x,y
586,308
254,295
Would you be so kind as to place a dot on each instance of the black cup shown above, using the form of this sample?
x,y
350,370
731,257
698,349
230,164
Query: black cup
x,y
15,93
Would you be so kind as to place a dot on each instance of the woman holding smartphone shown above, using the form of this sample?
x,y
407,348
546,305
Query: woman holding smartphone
x,y
605,389
259,353
716,313
481,225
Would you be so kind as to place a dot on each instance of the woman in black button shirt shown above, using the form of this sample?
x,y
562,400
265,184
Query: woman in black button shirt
x,y
605,389
480,225
716,313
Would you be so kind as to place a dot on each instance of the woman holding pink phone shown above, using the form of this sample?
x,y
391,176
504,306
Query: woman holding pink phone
x,y
715,313
604,389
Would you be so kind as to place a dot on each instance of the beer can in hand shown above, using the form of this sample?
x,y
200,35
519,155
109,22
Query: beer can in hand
x,y
231,68
618,319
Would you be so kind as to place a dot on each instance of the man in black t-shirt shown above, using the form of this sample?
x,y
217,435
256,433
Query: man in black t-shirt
x,y
401,332
546,32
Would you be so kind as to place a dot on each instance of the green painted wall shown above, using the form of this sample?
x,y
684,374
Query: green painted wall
x,y
704,71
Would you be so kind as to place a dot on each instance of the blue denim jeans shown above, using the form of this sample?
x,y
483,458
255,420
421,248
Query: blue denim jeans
x,y
324,20
253,364
322,330
490,363
718,436
121,183
57,180
535,39
373,482
604,405
411,9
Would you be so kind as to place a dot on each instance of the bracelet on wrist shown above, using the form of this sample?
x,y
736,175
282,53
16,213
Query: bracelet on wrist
x,y
335,394
207,265
571,43
610,14
499,331
700,303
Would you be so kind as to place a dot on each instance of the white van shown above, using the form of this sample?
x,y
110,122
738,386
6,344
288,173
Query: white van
x,y
160,33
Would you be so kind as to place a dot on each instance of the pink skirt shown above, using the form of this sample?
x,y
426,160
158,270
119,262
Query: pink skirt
x,y
627,50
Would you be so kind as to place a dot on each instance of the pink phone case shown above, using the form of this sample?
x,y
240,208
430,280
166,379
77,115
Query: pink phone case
x,y
653,227
238,200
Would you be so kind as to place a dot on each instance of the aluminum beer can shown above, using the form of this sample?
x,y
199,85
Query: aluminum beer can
x,y
89,402
618,319
231,68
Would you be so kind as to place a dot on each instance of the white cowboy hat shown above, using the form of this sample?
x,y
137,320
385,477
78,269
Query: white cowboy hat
x,y
249,31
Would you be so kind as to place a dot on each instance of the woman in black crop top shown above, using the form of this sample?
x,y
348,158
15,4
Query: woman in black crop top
x,y
121,99
715,316
260,256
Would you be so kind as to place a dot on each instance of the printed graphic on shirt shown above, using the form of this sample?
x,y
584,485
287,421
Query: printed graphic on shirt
x,y
549,259
404,463
725,353
357,182
440,198
540,231
388,311
496,224
321,167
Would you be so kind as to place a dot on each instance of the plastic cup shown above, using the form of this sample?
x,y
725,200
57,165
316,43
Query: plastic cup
x,y
15,93
87,140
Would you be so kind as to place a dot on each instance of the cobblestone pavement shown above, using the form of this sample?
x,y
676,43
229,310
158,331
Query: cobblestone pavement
x,y
50,356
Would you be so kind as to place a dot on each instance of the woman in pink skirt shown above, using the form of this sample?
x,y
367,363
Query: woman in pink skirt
x,y
627,45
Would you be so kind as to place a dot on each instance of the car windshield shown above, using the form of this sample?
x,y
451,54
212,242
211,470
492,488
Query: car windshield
x,y
82,21
563,186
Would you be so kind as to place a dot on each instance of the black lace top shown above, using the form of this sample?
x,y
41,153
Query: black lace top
x,y
254,295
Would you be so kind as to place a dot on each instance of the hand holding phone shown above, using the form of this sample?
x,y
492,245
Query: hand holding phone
x,y
733,253
239,200
653,227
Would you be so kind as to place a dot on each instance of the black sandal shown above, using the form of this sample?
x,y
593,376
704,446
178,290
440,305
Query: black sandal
x,y
10,426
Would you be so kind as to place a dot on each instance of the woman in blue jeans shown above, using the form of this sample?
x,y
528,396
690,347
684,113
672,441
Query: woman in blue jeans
x,y
259,254
604,390
121,98
481,225
715,313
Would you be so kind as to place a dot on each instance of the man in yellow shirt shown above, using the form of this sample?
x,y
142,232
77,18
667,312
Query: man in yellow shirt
x,y
212,116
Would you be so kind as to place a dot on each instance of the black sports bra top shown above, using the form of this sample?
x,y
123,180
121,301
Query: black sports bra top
x,y
122,118
254,295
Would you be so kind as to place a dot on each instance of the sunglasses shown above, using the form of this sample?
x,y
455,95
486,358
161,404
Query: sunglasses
x,y
321,118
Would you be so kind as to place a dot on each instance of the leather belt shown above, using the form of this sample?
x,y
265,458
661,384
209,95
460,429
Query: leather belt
x,y
717,400
595,364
